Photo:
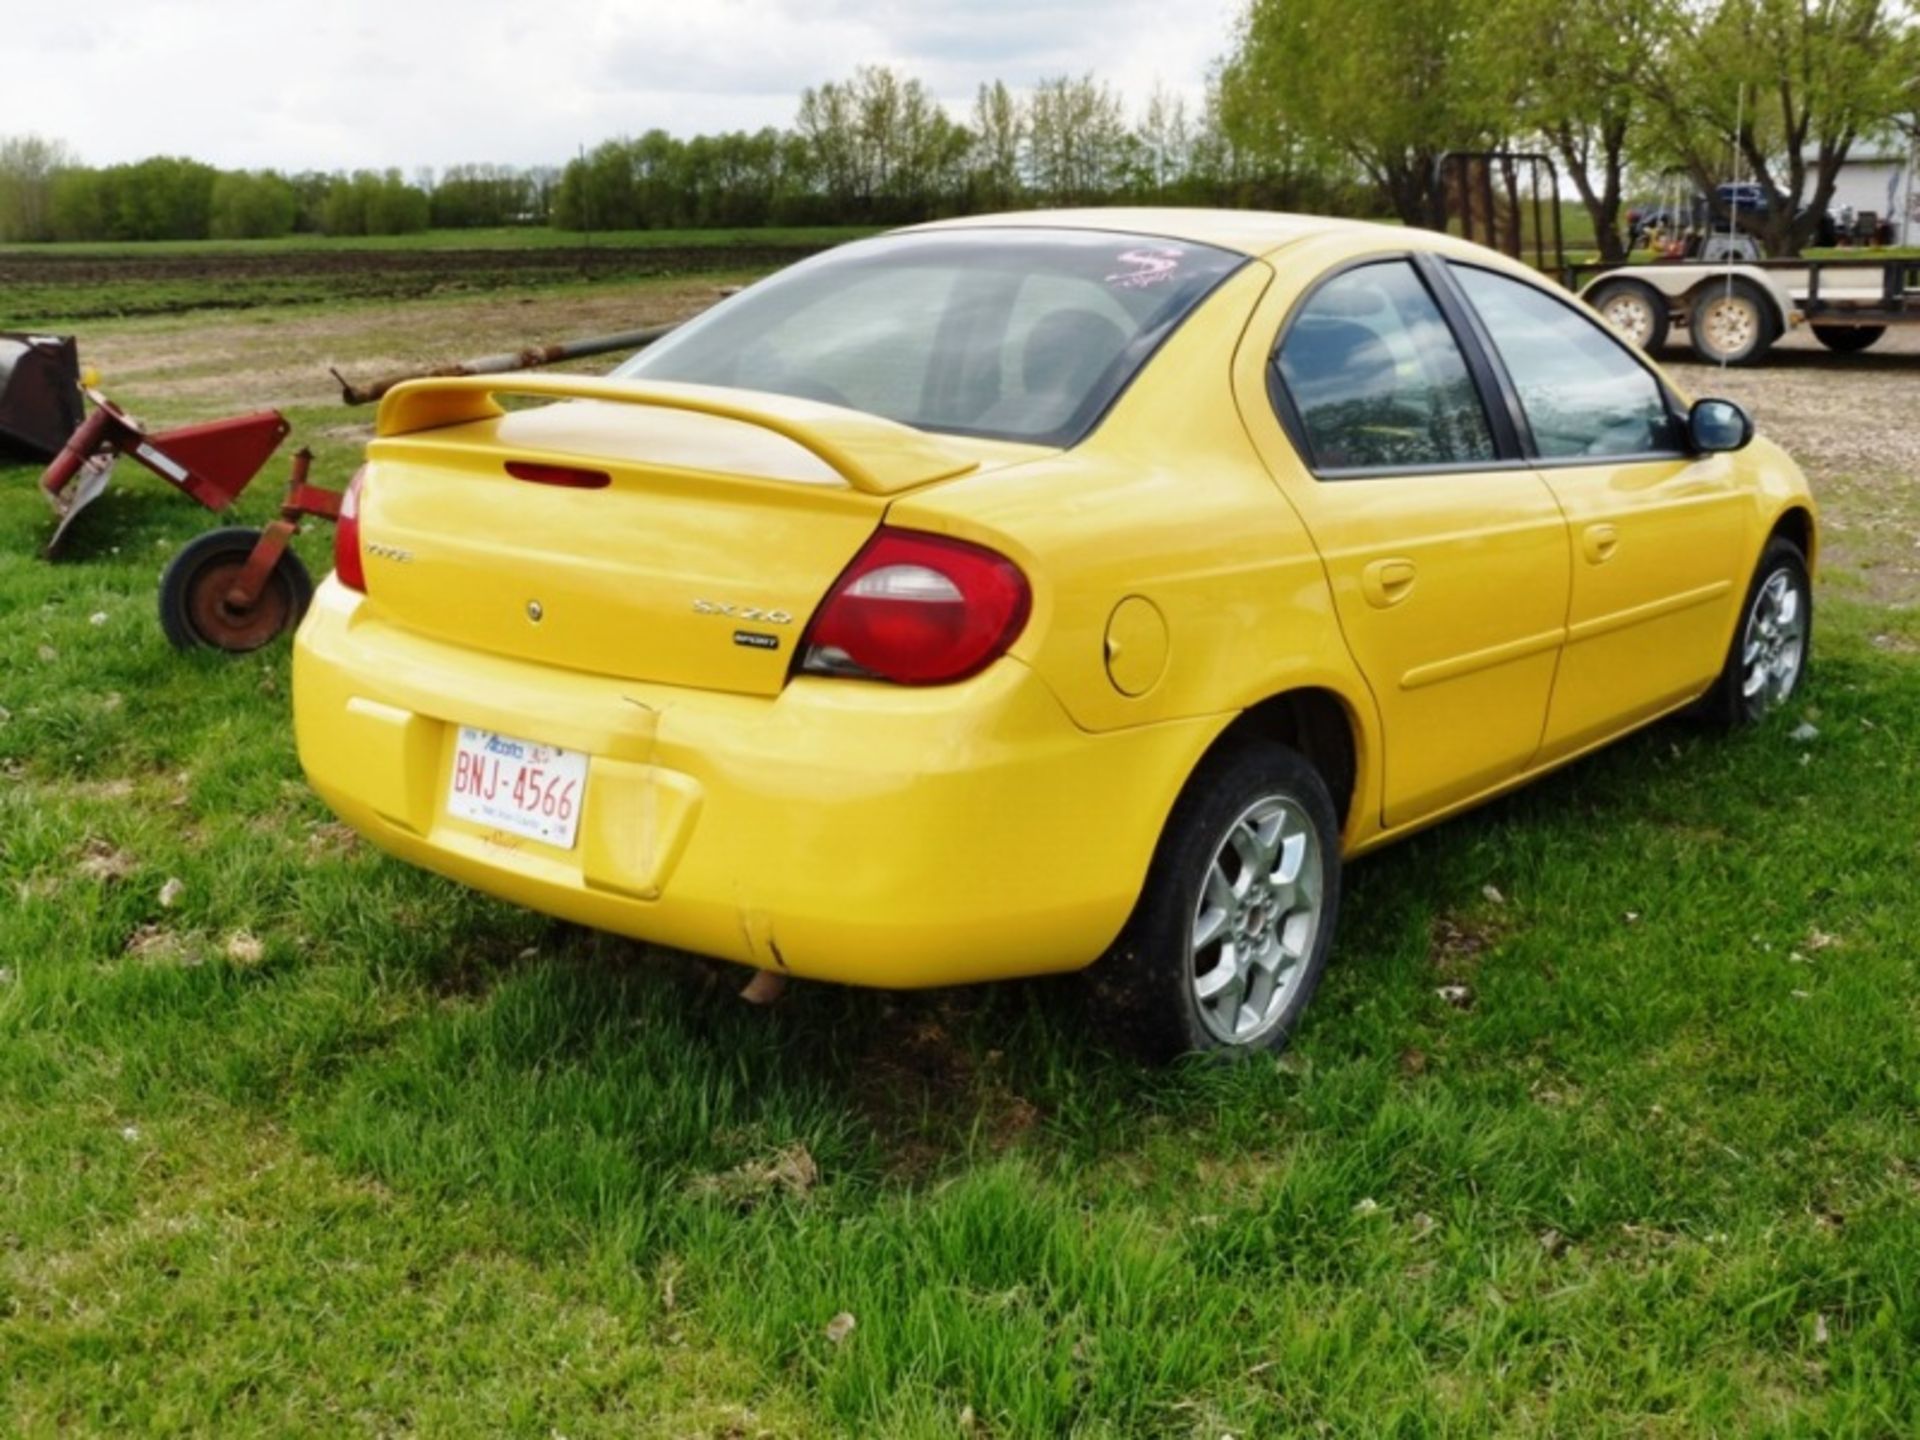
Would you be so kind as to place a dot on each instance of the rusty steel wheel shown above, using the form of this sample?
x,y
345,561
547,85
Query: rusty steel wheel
x,y
194,611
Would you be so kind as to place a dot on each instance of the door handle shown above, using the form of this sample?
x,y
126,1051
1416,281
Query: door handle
x,y
1598,542
1387,582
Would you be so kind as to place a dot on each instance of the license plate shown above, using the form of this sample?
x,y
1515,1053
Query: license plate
x,y
519,786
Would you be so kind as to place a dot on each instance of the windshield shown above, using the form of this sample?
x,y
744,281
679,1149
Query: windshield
x,y
1014,334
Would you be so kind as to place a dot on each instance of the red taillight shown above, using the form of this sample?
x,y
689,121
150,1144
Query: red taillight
x,y
917,610
346,537
569,477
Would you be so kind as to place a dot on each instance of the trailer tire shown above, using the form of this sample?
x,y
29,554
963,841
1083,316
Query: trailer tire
x,y
1636,311
194,613
1731,322
1848,339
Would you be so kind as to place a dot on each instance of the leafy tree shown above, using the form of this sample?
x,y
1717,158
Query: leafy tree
x,y
1166,141
1581,81
881,146
165,197
1782,90
999,146
310,189
1078,139
161,198
77,205
466,196
29,165
252,205
1386,85
374,202
1246,155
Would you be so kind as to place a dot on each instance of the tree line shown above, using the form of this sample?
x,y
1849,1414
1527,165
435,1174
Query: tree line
x,y
1623,94
45,194
874,148
878,148
1337,106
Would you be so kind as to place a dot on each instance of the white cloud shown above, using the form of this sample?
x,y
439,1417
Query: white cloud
x,y
332,84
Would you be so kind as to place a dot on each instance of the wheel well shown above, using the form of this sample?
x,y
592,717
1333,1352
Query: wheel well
x,y
1796,525
1313,722
1593,293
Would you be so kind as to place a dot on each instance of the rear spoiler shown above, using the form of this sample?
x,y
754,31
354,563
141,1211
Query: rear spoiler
x,y
873,455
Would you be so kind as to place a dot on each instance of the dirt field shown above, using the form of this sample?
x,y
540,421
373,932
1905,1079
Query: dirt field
x,y
38,286
207,366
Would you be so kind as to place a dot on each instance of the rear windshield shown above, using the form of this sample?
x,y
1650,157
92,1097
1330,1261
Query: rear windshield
x,y
1014,334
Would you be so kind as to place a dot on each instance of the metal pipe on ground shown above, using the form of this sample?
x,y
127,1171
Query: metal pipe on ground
x,y
528,359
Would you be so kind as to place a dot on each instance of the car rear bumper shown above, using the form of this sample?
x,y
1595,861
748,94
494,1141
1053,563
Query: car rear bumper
x,y
854,832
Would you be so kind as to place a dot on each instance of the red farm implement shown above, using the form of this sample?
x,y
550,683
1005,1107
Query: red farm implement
x,y
231,589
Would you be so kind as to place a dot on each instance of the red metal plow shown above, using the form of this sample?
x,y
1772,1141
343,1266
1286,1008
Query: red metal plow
x,y
232,589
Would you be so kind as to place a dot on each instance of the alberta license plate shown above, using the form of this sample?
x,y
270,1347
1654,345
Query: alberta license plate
x,y
518,786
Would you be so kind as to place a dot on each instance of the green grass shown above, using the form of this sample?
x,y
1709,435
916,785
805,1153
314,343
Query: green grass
x,y
329,1145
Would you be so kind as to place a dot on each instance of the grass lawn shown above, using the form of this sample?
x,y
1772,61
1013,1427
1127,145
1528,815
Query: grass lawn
x,y
310,1142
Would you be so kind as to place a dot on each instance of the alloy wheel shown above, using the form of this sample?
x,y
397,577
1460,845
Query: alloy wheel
x,y
1774,645
1256,920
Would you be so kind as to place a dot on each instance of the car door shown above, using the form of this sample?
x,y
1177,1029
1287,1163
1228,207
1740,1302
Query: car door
x,y
1656,531
1446,553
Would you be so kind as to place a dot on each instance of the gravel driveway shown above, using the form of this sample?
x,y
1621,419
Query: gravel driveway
x,y
1853,423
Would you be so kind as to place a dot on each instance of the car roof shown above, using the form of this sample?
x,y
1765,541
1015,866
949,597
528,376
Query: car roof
x,y
1251,232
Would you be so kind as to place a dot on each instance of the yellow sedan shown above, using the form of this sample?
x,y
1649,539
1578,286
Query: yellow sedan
x,y
1035,592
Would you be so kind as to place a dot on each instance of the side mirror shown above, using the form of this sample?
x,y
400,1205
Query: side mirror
x,y
1715,426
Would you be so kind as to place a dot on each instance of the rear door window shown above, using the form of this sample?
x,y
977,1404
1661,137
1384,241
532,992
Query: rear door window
x,y
1378,380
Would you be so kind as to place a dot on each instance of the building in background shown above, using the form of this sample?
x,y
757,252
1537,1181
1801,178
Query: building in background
x,y
1880,181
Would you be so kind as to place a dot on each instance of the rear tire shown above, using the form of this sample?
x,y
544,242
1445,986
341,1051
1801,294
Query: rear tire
x,y
1731,322
1772,645
1848,339
194,613
1636,311
1232,929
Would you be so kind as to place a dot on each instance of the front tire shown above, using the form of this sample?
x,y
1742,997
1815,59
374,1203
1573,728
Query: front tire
x,y
1232,930
1772,644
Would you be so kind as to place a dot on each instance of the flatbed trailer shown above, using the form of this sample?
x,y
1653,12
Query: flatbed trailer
x,y
1732,310
1735,311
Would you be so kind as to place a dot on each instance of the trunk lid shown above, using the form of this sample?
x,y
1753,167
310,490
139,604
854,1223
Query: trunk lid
x,y
722,519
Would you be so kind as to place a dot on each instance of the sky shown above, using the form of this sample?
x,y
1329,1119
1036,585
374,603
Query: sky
x,y
344,84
